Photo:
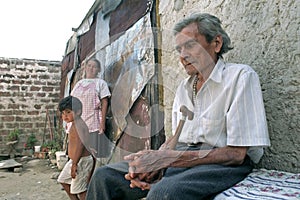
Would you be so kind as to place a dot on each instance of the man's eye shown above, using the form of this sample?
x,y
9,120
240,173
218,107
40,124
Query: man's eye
x,y
178,49
189,45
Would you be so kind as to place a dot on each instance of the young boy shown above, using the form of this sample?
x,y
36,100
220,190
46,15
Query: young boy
x,y
77,172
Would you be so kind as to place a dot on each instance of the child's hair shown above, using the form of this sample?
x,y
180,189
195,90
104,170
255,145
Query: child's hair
x,y
71,103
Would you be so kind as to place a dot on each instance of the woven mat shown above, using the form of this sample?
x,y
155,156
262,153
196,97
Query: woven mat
x,y
264,184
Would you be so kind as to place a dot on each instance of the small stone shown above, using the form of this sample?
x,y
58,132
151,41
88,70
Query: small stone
x,y
55,175
18,169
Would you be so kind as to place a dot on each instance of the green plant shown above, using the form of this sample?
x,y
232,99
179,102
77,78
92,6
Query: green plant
x,y
14,135
55,144
31,140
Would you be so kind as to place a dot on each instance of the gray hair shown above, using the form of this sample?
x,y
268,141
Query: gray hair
x,y
209,26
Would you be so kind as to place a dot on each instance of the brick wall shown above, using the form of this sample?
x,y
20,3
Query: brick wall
x,y
28,88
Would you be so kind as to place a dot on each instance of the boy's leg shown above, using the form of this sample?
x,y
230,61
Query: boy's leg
x,y
79,184
82,196
67,189
65,179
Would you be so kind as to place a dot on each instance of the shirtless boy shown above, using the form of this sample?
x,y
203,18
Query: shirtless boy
x,y
77,172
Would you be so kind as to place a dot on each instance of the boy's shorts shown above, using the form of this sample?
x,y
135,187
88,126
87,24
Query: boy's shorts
x,y
80,183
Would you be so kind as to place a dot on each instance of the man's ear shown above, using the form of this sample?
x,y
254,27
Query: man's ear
x,y
218,41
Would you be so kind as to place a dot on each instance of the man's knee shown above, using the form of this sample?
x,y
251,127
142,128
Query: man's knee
x,y
99,172
162,191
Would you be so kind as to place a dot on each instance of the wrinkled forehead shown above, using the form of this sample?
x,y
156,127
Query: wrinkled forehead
x,y
188,33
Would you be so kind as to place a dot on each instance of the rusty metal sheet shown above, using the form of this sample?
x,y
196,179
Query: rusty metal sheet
x,y
126,15
86,44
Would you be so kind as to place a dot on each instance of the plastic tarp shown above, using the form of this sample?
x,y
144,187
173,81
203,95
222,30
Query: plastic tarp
x,y
128,65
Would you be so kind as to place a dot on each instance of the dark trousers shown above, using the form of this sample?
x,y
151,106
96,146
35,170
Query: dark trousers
x,y
199,182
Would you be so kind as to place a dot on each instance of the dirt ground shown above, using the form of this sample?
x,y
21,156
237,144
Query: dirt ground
x,y
35,180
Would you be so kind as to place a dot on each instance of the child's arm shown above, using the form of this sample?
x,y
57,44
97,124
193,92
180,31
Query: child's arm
x,y
77,151
104,106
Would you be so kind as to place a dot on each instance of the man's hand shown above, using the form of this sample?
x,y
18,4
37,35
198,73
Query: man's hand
x,y
147,166
144,180
151,160
137,182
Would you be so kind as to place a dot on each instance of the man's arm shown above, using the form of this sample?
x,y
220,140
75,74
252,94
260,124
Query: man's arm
x,y
151,160
228,155
145,162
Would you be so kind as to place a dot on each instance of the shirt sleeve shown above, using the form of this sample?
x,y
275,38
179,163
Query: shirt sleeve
x,y
175,116
246,120
102,89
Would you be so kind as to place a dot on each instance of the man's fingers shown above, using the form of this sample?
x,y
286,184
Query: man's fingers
x,y
132,156
140,184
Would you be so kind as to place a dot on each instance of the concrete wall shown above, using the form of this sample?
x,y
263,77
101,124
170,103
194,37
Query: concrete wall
x,y
265,35
27,89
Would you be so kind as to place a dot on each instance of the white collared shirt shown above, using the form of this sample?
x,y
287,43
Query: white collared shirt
x,y
228,111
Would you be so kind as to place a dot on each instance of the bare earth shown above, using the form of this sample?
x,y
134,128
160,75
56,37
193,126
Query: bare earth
x,y
36,180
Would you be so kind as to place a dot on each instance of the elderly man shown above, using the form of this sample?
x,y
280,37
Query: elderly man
x,y
218,147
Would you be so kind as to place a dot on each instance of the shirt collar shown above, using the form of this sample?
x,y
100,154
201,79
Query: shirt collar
x,y
216,74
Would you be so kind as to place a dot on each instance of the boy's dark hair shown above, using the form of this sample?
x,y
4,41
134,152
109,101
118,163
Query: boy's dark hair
x,y
71,103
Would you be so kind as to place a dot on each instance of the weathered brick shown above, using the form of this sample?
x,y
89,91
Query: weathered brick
x,y
41,83
24,76
54,95
23,119
45,101
5,81
14,87
7,118
5,94
5,112
12,125
35,88
41,94
13,106
48,89
18,82
32,112
28,94
43,77
19,112
26,125
39,125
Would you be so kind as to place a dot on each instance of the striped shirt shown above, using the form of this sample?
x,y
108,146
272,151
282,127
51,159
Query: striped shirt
x,y
228,110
